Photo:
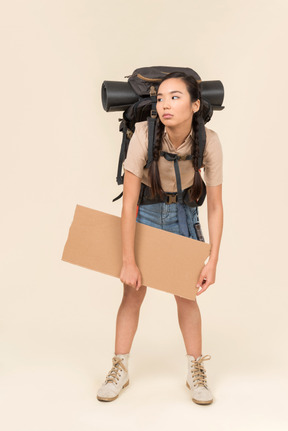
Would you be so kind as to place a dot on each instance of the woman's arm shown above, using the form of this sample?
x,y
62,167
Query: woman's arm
x,y
130,273
215,225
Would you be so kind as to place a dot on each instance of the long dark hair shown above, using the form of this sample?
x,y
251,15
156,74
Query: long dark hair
x,y
193,89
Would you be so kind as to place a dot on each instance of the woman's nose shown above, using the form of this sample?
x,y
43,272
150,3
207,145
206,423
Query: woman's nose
x,y
166,104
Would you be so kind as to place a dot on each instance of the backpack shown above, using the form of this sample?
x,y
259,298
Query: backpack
x,y
137,98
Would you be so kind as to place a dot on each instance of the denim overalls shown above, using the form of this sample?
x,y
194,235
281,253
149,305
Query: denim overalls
x,y
165,216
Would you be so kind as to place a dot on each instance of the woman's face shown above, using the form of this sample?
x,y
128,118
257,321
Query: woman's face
x,y
174,104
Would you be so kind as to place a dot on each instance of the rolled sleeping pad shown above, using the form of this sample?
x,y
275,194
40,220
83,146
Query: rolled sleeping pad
x,y
213,92
118,96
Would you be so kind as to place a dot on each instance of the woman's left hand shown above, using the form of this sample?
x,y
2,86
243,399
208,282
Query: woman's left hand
x,y
207,276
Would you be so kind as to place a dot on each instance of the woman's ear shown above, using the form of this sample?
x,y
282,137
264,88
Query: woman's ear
x,y
196,106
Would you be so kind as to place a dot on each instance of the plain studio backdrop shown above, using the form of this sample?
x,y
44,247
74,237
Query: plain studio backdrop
x,y
60,148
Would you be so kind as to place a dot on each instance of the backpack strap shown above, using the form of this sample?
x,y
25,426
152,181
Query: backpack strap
x,y
174,158
151,139
151,125
202,141
127,134
117,197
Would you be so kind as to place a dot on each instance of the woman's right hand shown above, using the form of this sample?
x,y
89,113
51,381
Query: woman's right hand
x,y
131,275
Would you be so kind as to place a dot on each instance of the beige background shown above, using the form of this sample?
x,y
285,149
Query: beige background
x,y
60,148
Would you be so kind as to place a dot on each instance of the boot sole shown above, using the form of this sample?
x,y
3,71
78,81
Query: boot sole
x,y
114,398
197,401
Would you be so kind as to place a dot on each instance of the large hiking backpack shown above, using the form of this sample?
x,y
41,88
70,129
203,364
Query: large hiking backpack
x,y
137,98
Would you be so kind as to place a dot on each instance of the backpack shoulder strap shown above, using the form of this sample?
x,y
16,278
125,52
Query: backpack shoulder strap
x,y
123,128
151,139
202,142
151,125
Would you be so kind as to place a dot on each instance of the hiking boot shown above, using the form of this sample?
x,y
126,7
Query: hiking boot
x,y
116,380
196,380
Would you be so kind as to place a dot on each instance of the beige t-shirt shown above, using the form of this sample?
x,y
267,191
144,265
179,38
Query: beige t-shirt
x,y
138,153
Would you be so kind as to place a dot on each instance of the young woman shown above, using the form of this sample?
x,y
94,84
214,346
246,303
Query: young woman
x,y
179,109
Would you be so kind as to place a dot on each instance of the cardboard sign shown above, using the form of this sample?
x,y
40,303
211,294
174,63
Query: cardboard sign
x,y
167,261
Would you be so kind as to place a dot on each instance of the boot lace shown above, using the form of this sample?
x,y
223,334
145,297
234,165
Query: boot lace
x,y
114,373
198,371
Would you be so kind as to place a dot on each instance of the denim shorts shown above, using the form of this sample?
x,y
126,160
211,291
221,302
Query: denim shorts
x,y
165,216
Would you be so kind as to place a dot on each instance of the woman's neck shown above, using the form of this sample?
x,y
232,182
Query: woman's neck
x,y
177,136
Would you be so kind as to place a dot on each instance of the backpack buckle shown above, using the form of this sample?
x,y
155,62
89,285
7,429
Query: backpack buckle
x,y
153,91
182,158
129,133
171,199
153,113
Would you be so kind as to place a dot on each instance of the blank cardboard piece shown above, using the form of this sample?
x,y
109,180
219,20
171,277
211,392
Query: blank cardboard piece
x,y
167,261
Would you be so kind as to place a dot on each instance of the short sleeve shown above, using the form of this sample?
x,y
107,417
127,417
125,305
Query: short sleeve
x,y
137,152
213,159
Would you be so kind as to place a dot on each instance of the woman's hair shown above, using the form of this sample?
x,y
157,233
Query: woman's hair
x,y
195,94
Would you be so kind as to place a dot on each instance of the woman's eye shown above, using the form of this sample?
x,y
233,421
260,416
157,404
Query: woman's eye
x,y
159,99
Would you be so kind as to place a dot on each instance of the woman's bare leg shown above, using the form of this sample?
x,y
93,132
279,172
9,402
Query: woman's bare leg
x,y
127,318
189,318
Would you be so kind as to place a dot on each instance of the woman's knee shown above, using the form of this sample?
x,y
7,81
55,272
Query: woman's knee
x,y
132,296
185,301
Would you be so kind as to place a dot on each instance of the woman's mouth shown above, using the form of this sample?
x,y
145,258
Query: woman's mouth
x,y
167,115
